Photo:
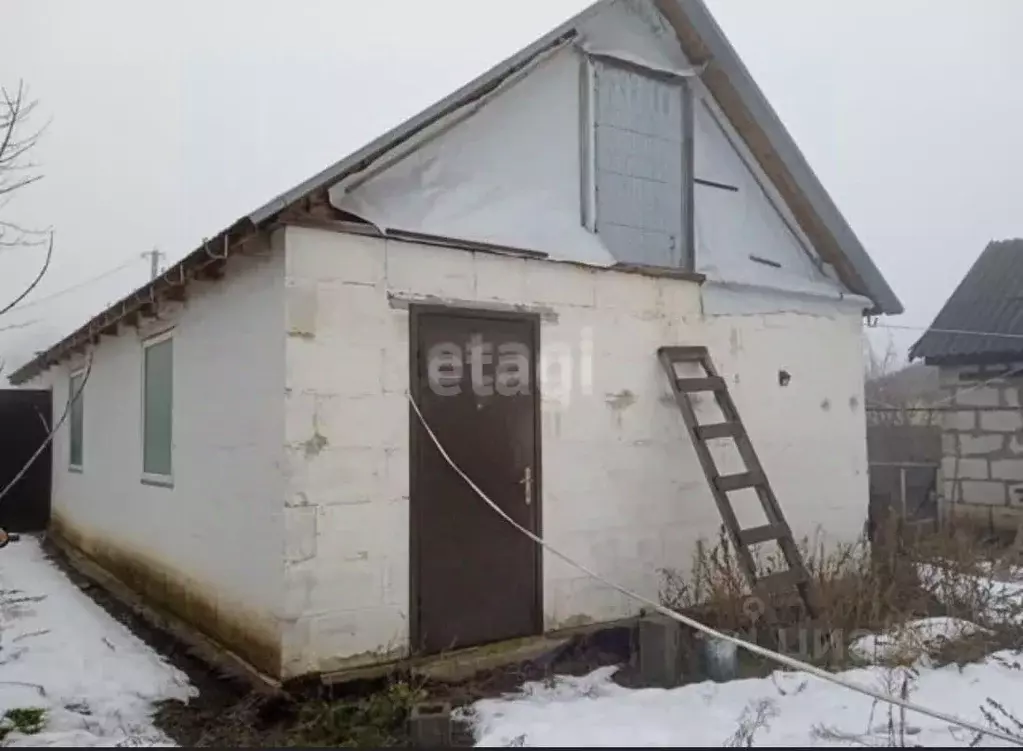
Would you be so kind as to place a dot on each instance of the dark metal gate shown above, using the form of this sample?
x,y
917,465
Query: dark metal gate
x,y
25,419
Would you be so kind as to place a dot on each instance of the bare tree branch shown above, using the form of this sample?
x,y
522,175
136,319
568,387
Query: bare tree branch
x,y
35,282
18,137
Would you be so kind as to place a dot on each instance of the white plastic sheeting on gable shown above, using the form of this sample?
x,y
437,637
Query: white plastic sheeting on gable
x,y
733,225
510,171
507,175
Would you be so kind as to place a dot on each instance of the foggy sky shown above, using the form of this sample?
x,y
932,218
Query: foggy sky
x,y
171,120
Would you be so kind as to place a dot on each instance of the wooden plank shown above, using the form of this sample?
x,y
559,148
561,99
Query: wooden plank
x,y
176,293
765,533
691,385
781,581
684,354
703,454
718,430
726,483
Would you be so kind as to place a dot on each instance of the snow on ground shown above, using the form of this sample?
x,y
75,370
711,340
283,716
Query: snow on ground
x,y
799,710
795,709
60,651
912,641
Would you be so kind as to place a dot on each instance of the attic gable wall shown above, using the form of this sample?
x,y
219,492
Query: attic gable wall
x,y
512,171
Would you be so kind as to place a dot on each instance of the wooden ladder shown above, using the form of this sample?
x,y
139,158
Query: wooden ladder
x,y
766,588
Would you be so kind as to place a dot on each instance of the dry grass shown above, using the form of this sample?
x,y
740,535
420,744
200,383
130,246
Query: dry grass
x,y
860,588
886,725
377,718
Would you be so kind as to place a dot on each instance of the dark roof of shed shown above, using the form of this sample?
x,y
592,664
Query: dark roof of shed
x,y
983,319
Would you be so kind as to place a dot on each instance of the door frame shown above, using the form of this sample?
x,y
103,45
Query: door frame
x,y
417,311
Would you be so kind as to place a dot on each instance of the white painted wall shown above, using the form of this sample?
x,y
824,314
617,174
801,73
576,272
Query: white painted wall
x,y
622,489
219,527
507,171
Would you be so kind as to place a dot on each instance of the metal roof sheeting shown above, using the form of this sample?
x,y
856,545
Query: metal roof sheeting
x,y
985,311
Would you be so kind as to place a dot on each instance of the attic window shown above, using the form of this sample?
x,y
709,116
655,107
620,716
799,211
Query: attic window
x,y
637,181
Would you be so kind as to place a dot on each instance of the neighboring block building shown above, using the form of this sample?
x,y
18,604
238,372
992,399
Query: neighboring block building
x,y
976,340
244,452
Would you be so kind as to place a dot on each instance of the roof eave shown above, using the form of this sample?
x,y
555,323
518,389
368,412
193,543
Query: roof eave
x,y
149,293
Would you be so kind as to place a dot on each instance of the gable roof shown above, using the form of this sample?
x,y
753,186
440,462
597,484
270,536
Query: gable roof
x,y
725,76
982,321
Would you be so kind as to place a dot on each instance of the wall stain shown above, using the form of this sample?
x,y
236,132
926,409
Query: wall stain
x,y
734,342
315,445
826,405
853,403
620,401
572,621
318,441
253,637
301,499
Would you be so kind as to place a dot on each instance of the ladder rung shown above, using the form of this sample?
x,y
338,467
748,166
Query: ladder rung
x,y
718,430
767,532
684,354
739,481
781,582
701,384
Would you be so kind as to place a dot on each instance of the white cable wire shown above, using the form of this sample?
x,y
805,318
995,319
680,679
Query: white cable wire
x,y
965,332
685,620
61,292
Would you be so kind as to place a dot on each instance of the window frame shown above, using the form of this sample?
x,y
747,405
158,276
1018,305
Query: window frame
x,y
76,373
155,478
588,93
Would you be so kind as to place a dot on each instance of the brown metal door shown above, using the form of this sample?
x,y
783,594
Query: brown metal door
x,y
475,578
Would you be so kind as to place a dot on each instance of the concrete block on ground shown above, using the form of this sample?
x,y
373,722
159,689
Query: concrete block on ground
x,y
430,725
660,651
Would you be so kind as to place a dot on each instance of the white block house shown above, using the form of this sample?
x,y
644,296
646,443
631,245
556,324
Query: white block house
x,y
244,453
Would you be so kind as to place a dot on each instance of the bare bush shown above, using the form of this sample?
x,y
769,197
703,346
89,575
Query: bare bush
x,y
754,717
860,589
892,731
999,718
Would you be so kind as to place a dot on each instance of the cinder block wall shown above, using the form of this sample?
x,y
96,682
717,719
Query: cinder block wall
x,y
622,489
982,446
206,548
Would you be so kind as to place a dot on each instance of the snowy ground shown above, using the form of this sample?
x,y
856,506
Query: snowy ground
x,y
799,710
61,652
794,709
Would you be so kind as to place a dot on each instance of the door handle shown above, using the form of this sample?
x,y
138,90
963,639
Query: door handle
x,y
527,483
